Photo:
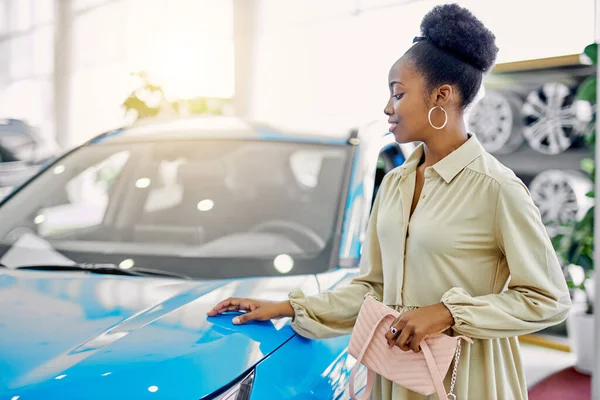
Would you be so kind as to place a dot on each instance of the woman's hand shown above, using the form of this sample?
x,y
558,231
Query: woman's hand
x,y
415,325
256,310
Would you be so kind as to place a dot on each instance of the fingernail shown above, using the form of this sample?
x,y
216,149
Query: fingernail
x,y
236,320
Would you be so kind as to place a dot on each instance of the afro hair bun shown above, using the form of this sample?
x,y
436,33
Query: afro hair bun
x,y
456,30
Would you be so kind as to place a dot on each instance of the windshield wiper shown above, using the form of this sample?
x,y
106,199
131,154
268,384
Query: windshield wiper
x,y
104,269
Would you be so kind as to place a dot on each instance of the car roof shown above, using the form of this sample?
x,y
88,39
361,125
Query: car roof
x,y
211,127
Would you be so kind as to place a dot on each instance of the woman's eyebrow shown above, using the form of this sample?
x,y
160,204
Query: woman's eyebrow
x,y
392,83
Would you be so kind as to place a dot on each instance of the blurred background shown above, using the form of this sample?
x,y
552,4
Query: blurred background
x,y
73,69
67,67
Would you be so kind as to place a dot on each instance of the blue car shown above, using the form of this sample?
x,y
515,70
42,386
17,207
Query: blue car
x,y
112,255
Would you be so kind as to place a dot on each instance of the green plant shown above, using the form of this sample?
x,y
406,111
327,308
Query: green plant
x,y
148,100
576,244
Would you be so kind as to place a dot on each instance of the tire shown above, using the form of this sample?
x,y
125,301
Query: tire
x,y
496,119
561,197
554,119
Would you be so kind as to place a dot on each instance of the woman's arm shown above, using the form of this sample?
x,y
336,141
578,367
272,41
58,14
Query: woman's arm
x,y
333,313
537,296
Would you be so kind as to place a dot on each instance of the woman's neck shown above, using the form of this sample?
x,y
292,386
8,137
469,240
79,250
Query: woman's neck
x,y
443,144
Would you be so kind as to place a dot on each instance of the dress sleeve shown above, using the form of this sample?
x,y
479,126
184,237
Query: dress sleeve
x,y
333,313
537,296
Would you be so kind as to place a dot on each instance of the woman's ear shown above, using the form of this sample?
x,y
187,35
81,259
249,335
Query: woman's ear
x,y
443,95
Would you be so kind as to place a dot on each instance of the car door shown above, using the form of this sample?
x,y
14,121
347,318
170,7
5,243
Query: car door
x,y
386,156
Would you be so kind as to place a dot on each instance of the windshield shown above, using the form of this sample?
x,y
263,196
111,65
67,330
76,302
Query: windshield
x,y
204,208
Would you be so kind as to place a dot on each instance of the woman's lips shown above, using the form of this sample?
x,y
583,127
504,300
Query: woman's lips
x,y
393,126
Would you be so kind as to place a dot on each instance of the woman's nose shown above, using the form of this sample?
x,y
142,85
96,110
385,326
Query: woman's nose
x,y
388,110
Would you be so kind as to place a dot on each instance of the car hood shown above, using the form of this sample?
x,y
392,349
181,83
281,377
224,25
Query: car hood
x,y
104,336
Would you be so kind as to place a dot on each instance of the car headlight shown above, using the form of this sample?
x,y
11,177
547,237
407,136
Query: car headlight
x,y
240,390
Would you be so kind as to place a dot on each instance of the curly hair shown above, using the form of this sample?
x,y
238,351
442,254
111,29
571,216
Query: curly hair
x,y
456,48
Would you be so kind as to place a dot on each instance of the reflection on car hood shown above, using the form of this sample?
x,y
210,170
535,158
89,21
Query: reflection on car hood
x,y
103,336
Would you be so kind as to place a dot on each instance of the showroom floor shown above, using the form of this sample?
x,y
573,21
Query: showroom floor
x,y
540,362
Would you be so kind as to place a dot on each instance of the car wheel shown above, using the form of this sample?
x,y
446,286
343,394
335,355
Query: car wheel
x,y
561,196
554,119
496,119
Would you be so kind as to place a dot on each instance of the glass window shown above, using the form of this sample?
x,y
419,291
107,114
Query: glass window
x,y
212,18
316,10
86,40
20,15
3,20
4,66
83,199
90,48
20,57
79,5
43,12
203,207
307,166
248,184
43,51
167,191
187,47
101,88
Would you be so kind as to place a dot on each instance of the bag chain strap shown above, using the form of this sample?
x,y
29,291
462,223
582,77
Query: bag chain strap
x,y
451,395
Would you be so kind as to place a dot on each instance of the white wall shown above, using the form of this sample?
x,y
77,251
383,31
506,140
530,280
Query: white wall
x,y
321,64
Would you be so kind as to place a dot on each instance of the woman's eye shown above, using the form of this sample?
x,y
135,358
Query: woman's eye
x,y
398,96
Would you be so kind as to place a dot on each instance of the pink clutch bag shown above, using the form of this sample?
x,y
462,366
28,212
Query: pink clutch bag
x,y
421,372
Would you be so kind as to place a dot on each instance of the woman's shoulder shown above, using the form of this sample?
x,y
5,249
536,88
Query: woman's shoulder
x,y
495,170
505,183
390,182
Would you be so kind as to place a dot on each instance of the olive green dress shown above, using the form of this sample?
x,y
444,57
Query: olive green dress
x,y
475,242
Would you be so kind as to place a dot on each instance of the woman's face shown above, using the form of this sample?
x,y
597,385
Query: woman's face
x,y
408,107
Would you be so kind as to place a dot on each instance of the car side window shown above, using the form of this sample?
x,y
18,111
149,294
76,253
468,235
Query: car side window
x,y
6,155
389,158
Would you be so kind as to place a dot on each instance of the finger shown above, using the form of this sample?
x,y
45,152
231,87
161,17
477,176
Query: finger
x,y
220,307
232,304
392,335
405,335
394,331
415,342
251,316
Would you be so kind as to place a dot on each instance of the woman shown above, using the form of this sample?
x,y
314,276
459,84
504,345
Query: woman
x,y
454,241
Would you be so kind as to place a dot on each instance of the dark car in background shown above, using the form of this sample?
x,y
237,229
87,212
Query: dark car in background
x,y
22,152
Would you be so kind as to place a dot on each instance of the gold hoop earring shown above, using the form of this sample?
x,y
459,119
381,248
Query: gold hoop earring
x,y
445,115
